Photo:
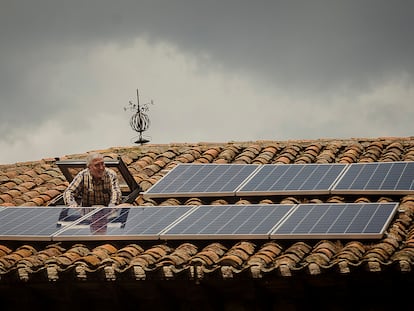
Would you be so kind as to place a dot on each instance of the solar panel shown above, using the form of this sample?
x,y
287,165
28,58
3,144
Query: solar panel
x,y
377,178
228,222
33,223
201,179
143,223
338,220
292,179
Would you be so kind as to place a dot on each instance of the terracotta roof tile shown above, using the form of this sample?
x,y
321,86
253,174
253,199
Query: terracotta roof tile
x,y
38,182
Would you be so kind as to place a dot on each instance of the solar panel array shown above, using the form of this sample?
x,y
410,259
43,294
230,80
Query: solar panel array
x,y
377,178
33,223
201,179
353,220
144,223
259,221
279,179
223,222
292,179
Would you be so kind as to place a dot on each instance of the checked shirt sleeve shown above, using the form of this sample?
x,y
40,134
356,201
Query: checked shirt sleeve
x,y
72,191
116,193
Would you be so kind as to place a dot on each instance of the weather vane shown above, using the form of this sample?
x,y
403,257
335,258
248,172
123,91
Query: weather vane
x,y
139,120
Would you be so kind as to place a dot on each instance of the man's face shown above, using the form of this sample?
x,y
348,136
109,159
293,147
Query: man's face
x,y
97,168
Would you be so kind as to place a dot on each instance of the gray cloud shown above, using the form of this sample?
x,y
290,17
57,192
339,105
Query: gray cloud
x,y
311,59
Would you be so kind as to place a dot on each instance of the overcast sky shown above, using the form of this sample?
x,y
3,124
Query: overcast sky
x,y
216,71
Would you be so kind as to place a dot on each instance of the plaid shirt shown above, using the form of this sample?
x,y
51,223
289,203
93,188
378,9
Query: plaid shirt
x,y
88,191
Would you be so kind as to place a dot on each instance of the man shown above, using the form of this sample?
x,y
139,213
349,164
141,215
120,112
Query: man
x,y
95,185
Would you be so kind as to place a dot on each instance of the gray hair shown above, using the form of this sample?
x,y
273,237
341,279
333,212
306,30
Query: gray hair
x,y
92,157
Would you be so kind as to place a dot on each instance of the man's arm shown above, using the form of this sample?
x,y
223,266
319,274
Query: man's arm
x,y
72,190
116,194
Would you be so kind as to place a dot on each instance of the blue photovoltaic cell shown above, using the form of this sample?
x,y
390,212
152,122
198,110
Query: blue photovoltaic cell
x,y
228,222
338,220
142,223
201,179
32,223
377,178
292,179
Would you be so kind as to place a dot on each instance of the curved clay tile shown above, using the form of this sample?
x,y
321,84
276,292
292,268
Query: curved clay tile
x,y
283,159
12,174
243,202
6,199
362,200
202,160
380,252
193,201
391,156
167,156
293,255
186,158
316,201
52,193
219,202
272,148
36,261
251,151
168,202
261,160
211,154
243,159
124,255
150,256
151,169
326,156
290,200
93,259
266,254
266,201
209,255
32,194
237,254
35,202
127,159
10,260
352,252
305,159
181,255
69,256
228,154
404,258
409,155
161,163
146,184
220,161
265,157
372,153
104,250
194,152
321,255
396,147
7,186
4,250
28,185
335,199
346,160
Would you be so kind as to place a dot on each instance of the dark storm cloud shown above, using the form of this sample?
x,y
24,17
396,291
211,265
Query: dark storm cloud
x,y
317,44
305,48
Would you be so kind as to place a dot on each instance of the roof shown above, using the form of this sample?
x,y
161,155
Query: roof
x,y
37,183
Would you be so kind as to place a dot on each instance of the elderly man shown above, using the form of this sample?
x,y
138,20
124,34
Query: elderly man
x,y
95,185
